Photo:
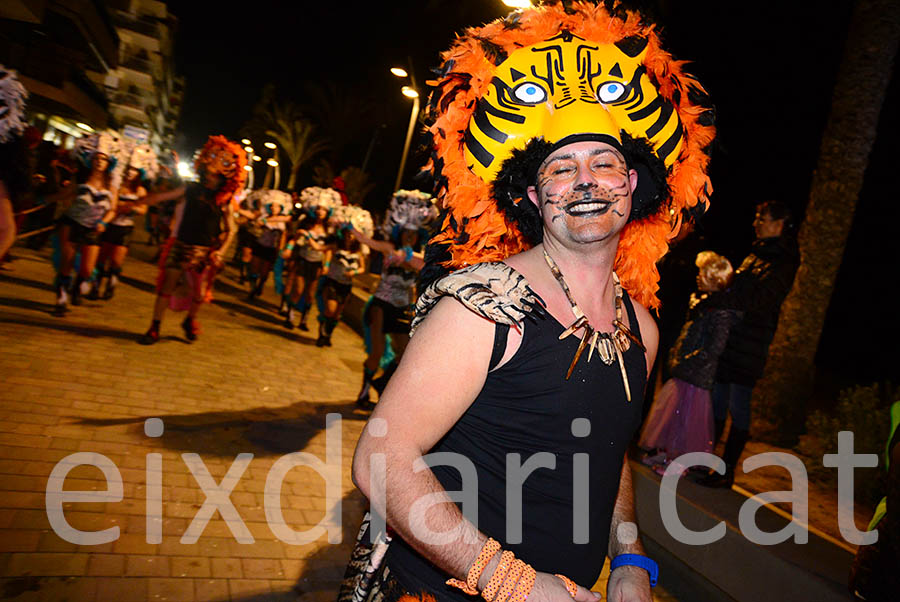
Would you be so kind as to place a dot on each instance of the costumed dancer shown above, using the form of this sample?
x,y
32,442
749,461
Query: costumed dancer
x,y
345,260
309,248
681,419
245,218
389,310
88,216
567,145
13,162
141,170
194,252
274,213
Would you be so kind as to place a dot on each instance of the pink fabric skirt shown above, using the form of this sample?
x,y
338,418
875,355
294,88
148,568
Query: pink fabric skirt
x,y
680,421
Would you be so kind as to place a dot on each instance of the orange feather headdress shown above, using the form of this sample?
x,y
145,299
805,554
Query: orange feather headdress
x,y
548,73
233,171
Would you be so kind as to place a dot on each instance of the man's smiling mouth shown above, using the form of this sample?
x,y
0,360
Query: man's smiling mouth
x,y
587,207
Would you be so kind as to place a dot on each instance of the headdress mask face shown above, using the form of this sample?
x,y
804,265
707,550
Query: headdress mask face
x,y
222,157
221,161
567,87
511,92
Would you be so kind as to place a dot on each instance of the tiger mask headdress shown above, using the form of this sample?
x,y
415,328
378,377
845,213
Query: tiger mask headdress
x,y
510,92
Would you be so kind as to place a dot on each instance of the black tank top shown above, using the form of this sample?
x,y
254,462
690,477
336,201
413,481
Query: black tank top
x,y
525,407
200,220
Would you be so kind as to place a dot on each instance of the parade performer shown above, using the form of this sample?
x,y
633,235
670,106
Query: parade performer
x,y
13,162
141,169
93,206
274,207
567,144
389,310
195,250
308,249
345,260
681,418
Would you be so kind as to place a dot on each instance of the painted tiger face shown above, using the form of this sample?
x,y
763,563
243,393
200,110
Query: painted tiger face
x,y
567,86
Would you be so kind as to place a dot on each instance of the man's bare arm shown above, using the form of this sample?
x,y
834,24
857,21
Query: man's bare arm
x,y
450,343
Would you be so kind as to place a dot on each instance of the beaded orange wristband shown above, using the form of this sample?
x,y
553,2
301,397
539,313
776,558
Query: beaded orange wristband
x,y
490,590
512,578
470,585
526,583
570,585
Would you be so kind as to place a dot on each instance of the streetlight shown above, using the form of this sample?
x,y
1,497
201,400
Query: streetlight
x,y
245,141
409,92
517,3
248,149
273,169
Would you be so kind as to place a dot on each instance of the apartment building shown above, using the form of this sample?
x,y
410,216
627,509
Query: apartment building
x,y
143,91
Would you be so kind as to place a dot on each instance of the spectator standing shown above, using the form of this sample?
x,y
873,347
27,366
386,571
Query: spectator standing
x,y
760,285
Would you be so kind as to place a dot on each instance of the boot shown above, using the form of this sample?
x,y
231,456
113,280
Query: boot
x,y
381,382
737,439
330,323
151,336
302,324
285,305
190,327
94,293
362,400
253,280
62,295
76,291
321,341
111,283
289,319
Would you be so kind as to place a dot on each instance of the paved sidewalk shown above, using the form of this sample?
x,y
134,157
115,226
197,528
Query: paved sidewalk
x,y
82,384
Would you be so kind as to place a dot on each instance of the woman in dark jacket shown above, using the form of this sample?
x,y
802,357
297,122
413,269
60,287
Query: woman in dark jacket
x,y
760,285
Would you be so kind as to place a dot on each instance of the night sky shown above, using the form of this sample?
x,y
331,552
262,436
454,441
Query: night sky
x,y
770,70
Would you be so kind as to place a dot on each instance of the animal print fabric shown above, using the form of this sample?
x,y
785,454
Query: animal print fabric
x,y
492,290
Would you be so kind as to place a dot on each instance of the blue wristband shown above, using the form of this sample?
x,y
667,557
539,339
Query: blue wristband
x,y
409,253
102,223
644,562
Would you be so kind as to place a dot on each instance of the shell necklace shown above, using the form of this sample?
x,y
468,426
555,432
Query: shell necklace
x,y
609,346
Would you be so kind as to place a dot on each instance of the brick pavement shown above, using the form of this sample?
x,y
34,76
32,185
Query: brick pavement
x,y
82,384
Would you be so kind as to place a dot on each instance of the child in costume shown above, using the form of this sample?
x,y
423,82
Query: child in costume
x,y
194,252
389,310
93,206
308,247
681,419
140,170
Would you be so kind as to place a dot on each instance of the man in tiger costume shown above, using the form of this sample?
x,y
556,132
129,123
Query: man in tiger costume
x,y
567,145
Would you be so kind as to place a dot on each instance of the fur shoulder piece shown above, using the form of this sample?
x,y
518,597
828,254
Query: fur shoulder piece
x,y
492,290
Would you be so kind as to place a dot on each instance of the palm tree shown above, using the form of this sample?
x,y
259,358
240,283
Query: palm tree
x,y
356,184
849,134
295,135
